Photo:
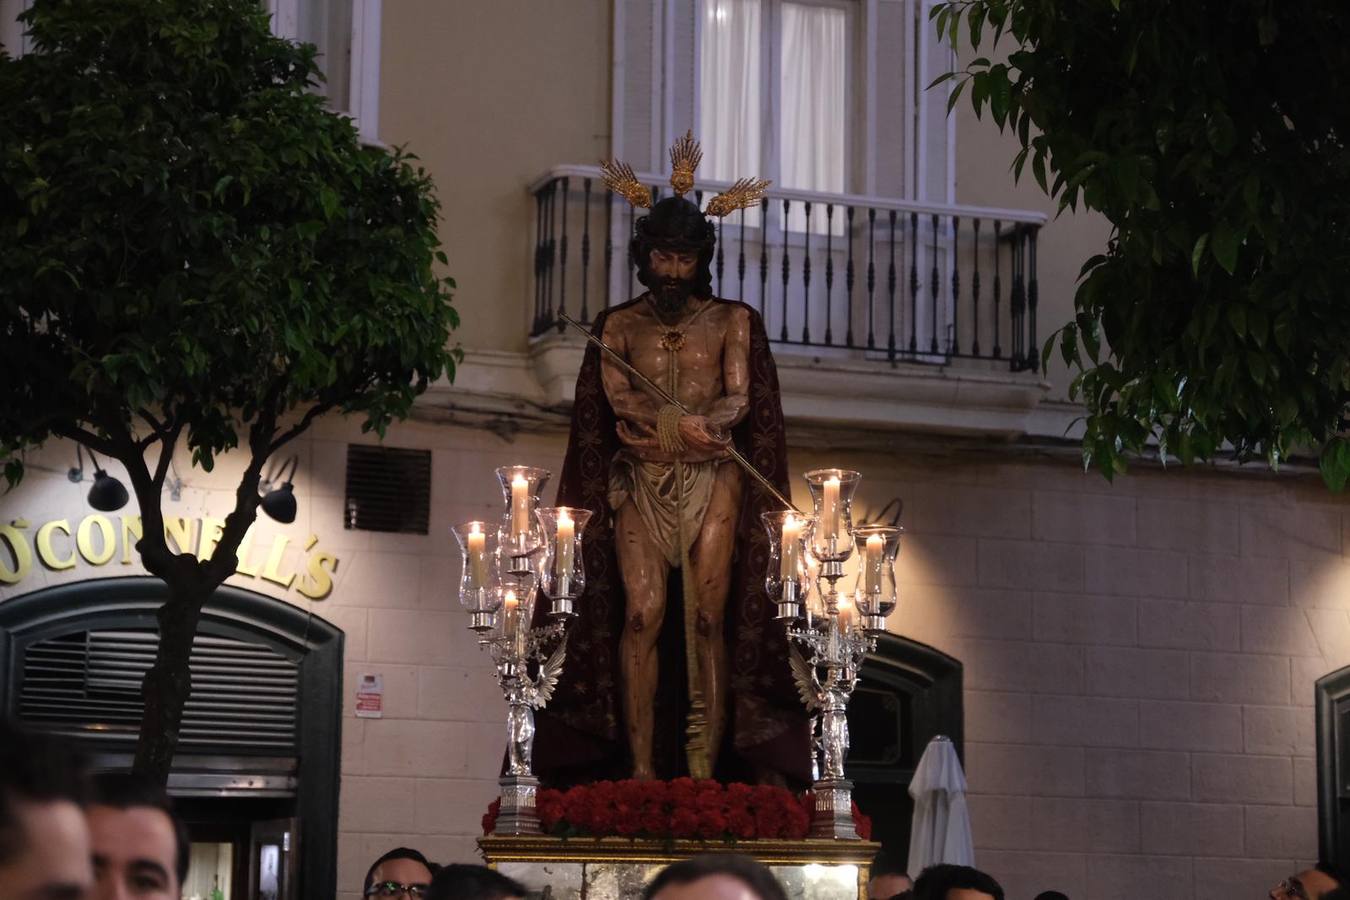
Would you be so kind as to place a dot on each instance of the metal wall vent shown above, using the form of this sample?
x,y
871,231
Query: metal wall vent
x,y
388,489
88,684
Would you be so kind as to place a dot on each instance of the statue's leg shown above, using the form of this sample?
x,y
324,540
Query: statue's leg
x,y
710,558
643,568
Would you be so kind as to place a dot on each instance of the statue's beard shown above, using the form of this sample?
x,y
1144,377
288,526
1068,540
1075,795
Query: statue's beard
x,y
671,295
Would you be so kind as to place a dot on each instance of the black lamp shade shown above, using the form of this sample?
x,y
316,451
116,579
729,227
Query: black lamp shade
x,y
107,494
279,504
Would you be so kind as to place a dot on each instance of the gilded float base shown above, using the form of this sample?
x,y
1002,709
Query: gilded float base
x,y
618,868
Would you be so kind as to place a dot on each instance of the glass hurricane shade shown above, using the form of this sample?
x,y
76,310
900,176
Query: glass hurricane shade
x,y
521,486
788,577
832,512
563,575
480,572
874,592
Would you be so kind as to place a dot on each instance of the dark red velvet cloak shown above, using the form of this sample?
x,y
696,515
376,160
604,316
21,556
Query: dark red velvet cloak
x,y
581,734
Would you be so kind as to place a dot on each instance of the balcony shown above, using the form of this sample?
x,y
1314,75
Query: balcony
x,y
881,312
884,315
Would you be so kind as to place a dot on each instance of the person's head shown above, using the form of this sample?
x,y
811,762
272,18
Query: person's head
x,y
44,839
887,876
401,874
1051,895
464,882
715,876
1322,882
140,846
672,248
949,882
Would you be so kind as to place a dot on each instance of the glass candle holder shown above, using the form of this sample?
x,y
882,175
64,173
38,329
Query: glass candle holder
x,y
832,514
875,590
564,572
478,580
515,596
521,536
788,578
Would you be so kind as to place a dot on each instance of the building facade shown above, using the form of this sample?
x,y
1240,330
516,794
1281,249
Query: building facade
x,y
1138,657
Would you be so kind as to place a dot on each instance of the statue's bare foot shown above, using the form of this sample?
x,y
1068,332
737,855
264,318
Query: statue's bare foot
x,y
643,772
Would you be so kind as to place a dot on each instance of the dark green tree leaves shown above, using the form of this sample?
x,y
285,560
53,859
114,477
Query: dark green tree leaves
x,y
1211,135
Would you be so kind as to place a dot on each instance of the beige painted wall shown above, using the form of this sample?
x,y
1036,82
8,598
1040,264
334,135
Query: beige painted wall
x,y
491,95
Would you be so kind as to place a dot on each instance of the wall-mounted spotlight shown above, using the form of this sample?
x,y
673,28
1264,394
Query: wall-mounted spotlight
x,y
279,503
107,493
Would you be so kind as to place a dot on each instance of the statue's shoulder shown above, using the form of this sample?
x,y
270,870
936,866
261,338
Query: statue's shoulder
x,y
734,310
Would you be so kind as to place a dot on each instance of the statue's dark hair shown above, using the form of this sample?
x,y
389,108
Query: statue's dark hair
x,y
752,874
674,224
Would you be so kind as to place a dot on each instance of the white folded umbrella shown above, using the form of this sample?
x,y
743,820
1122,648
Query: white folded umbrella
x,y
940,832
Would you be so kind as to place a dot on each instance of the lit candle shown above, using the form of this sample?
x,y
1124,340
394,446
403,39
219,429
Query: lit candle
x,y
829,510
566,533
477,557
792,530
845,613
872,564
520,506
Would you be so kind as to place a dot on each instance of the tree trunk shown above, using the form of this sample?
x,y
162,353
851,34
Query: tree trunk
x,y
168,683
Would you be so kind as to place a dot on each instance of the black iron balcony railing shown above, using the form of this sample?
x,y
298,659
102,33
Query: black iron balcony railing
x,y
885,279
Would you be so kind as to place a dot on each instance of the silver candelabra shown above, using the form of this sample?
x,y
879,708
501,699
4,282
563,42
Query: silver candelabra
x,y
837,630
504,567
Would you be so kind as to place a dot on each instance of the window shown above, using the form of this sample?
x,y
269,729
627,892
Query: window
x,y
346,32
774,93
347,35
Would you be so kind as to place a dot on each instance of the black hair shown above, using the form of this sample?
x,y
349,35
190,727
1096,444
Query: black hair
x,y
754,875
934,882
125,790
887,862
1051,895
674,224
34,768
396,853
465,882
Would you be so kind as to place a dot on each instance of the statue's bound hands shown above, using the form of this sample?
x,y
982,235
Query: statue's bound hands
x,y
699,434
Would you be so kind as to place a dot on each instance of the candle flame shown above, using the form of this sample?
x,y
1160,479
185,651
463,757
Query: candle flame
x,y
473,528
519,481
563,517
511,598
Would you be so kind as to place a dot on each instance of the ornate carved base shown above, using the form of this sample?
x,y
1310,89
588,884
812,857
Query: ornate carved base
x,y
582,868
834,810
518,814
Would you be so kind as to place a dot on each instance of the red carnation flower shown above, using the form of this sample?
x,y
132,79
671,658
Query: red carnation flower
x,y
684,823
490,817
741,823
711,824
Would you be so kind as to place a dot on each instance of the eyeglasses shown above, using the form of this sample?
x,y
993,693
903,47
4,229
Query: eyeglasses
x,y
1291,889
394,889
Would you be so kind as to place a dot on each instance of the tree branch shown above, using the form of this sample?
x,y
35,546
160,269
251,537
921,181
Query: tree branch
x,y
306,420
166,454
150,419
88,438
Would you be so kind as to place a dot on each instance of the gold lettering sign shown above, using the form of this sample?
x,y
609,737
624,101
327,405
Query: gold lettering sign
x,y
95,539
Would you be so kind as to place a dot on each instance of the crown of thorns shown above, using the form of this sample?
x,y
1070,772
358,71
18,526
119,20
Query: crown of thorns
x,y
685,156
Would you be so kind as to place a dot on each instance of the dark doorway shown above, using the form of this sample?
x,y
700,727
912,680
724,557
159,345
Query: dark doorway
x,y
907,694
259,760
1333,766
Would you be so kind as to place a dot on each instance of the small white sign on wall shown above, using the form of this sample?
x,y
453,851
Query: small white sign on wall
x,y
370,696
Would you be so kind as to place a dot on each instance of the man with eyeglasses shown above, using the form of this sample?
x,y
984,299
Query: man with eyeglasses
x,y
401,874
1322,882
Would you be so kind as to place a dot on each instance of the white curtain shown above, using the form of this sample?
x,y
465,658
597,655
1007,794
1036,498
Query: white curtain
x,y
812,105
327,24
730,89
